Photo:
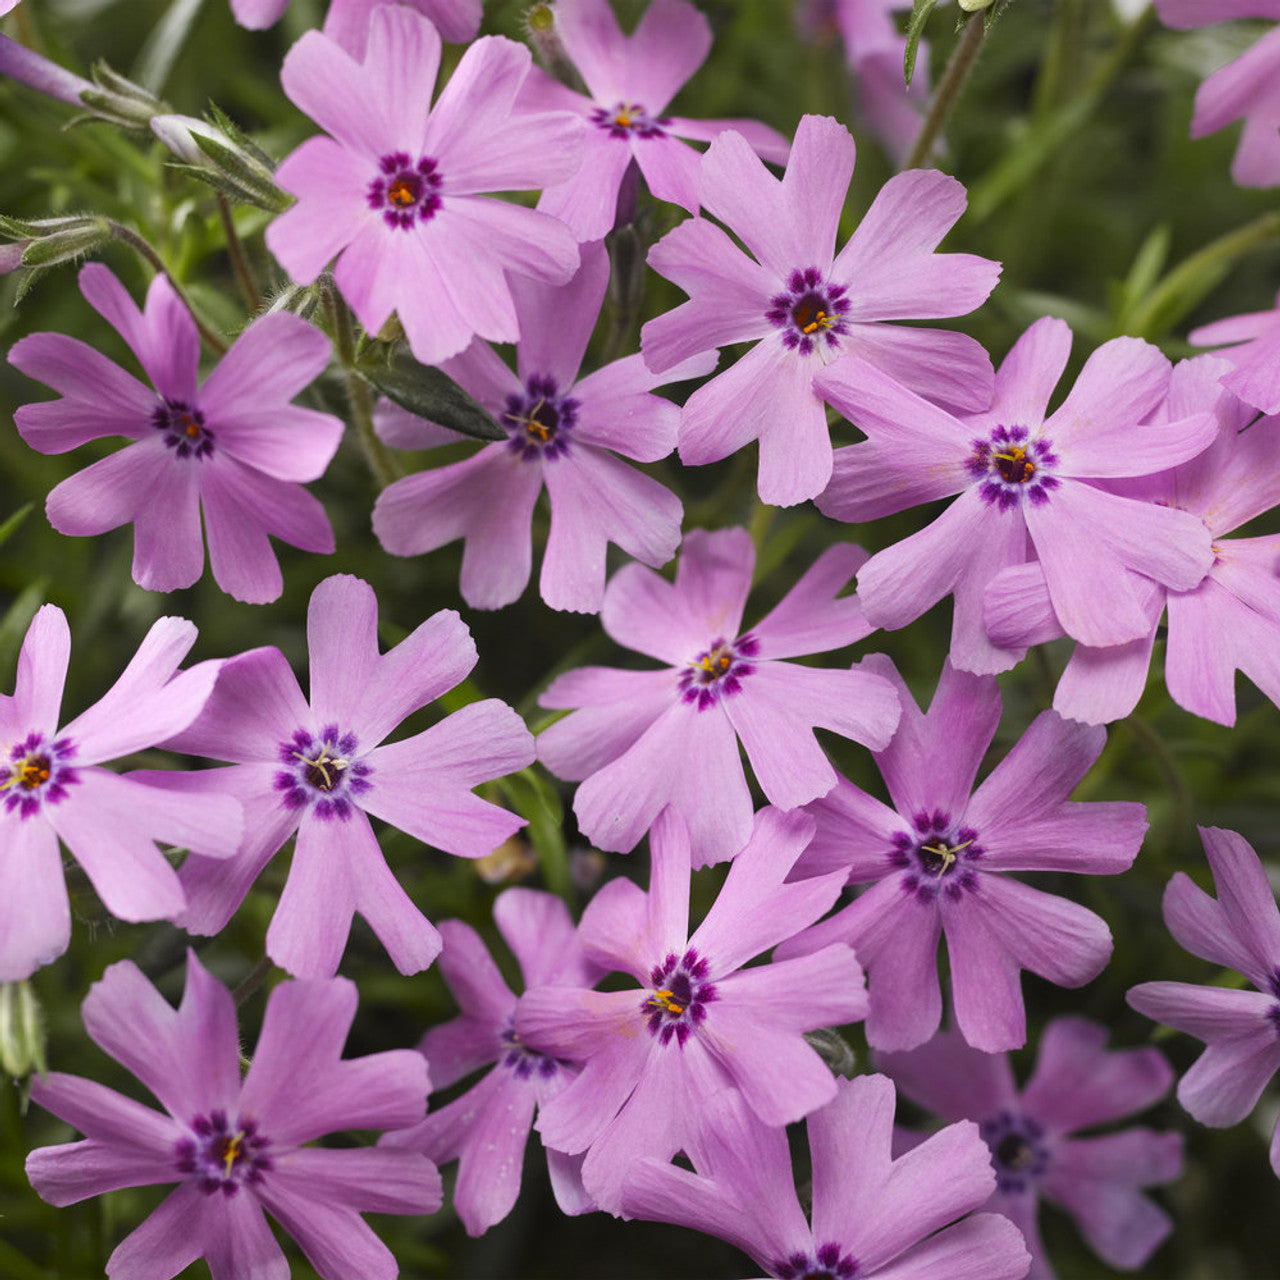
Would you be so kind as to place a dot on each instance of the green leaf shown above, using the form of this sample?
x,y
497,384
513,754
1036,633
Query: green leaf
x,y
920,12
11,525
430,393
14,624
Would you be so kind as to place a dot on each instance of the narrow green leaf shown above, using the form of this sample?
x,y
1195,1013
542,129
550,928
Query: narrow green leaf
x,y
164,44
430,393
14,624
920,12
11,525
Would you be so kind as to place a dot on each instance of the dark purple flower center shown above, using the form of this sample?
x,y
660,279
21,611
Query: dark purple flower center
x,y
1012,468
811,312
184,429
404,191
322,772
526,1062
936,855
718,672
1019,1152
677,1004
38,774
825,1263
629,120
221,1156
539,422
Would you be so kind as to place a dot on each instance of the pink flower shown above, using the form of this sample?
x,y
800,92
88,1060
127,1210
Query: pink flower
x,y
630,80
703,1023
233,448
936,864
53,788
1240,929
805,305
641,740
1247,89
1229,622
564,433
1077,1084
871,1215
1025,479
486,1128
236,1147
398,190
318,769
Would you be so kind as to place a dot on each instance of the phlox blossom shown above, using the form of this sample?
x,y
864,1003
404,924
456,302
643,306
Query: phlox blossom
x,y
936,862
322,768
640,740
564,434
804,305
871,1215
630,80
347,21
236,1147
232,447
1078,1083
1251,343
486,1128
1026,484
1240,930
702,1023
51,786
1228,622
1246,89
398,191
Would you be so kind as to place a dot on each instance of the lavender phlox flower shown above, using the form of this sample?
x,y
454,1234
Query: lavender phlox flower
x,y
347,21
318,769
1024,477
399,191
639,740
1251,343
30,68
630,80
232,447
936,864
1078,1084
51,786
871,1215
1246,89
804,305
236,1147
486,1128
563,433
1230,621
702,1024
1240,929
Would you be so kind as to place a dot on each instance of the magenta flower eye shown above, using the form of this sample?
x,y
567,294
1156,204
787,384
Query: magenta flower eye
x,y
812,309
183,428
539,419
218,1157
406,192
718,671
629,120
322,773
1012,466
1018,1150
37,774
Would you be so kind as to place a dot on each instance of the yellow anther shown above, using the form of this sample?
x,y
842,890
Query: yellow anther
x,y
946,852
230,1152
28,774
401,194
1014,465
667,1001
318,769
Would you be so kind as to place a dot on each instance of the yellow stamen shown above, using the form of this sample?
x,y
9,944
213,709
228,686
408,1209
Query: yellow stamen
x,y
401,194
28,774
946,852
667,1001
1014,465
318,769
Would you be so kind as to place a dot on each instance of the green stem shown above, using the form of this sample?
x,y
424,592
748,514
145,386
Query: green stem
x,y
1153,744
1175,296
130,237
359,398
239,261
959,65
1061,57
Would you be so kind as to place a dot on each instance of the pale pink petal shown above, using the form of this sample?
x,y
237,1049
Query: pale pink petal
x,y
1225,1082
867,483
542,937
177,1234
330,182
672,170
596,499
854,833
986,1246
1121,1225
587,202
950,1078
814,616
556,324
35,918
74,1171
1029,373
949,369
1102,685
130,1020
42,673
336,1240
619,413
308,931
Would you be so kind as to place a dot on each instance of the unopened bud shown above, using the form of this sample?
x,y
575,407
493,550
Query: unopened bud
x,y
221,155
544,39
44,242
21,1031
975,6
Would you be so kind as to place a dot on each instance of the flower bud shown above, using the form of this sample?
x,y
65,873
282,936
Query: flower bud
x,y
220,154
44,242
544,38
22,1039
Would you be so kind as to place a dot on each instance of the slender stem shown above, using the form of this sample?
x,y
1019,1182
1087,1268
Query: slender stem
x,y
359,399
252,981
239,261
1167,765
959,65
130,237
1176,292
